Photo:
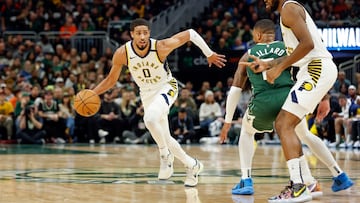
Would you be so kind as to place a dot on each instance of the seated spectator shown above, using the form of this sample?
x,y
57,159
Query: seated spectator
x,y
68,29
182,127
109,121
341,80
6,116
341,120
185,100
67,113
86,129
138,133
54,125
127,109
209,112
353,110
30,127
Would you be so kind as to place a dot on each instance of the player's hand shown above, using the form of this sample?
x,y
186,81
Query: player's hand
x,y
322,110
257,66
224,131
217,59
272,74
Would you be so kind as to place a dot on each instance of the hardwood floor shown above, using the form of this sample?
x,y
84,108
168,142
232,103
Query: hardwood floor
x,y
123,173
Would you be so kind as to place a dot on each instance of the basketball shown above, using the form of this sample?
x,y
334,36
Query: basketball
x,y
87,103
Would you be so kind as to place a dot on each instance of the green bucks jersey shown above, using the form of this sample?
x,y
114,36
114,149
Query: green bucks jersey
x,y
267,98
268,52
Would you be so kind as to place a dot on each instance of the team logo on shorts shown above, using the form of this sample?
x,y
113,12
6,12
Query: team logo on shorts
x,y
171,93
306,86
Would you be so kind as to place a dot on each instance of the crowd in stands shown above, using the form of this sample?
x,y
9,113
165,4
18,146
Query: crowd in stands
x,y
226,25
39,79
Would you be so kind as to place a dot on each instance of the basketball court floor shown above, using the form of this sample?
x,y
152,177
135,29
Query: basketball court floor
x,y
124,173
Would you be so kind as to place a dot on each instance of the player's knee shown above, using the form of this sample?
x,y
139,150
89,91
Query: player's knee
x,y
151,119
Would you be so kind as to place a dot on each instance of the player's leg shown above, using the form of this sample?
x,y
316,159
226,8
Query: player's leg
x,y
313,82
193,166
246,154
154,112
319,149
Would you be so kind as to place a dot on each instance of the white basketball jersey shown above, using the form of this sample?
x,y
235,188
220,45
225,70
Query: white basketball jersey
x,y
148,72
291,41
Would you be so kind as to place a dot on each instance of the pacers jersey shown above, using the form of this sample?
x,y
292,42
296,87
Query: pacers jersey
x,y
269,51
291,41
148,72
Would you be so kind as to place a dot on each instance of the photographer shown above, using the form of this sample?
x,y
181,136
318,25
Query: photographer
x,y
30,127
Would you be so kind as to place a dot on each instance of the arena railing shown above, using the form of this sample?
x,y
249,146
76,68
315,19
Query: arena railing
x,y
81,40
351,67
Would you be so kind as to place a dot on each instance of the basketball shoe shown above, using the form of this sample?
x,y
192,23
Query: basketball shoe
x,y
245,187
192,174
315,189
341,182
166,166
292,193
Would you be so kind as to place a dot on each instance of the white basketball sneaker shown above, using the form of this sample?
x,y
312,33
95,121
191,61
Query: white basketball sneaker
x,y
192,174
166,166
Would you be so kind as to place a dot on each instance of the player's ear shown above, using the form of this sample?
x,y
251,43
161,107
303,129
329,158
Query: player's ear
x,y
259,36
132,34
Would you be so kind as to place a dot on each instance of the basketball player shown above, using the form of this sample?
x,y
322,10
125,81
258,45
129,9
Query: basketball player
x,y
317,74
263,108
146,59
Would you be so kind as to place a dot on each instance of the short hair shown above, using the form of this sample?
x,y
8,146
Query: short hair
x,y
139,22
265,26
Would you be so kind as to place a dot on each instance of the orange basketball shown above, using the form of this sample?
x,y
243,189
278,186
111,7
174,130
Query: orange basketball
x,y
87,103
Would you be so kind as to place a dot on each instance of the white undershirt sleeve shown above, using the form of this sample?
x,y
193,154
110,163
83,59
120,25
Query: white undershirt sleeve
x,y
231,102
200,42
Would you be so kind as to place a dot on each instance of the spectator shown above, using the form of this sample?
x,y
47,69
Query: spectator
x,y
353,108
67,113
182,127
68,29
341,120
138,133
54,125
209,112
127,109
6,116
30,127
185,100
109,121
341,80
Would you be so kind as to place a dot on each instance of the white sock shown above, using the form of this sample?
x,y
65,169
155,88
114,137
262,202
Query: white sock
x,y
294,170
305,171
318,148
335,170
245,173
164,151
246,151
337,138
175,147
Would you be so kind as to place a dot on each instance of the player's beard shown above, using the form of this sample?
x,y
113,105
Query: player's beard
x,y
142,46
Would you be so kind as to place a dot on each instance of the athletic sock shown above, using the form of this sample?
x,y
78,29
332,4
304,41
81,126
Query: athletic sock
x,y
294,170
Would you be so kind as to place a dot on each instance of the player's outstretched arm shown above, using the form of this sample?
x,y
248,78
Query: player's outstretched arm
x,y
118,61
233,97
166,46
